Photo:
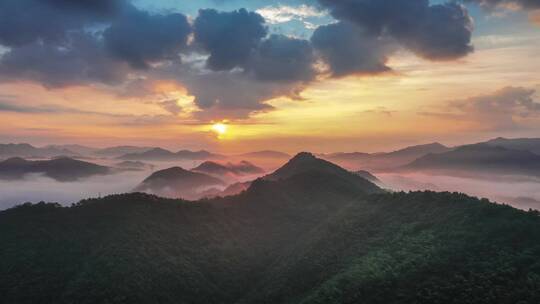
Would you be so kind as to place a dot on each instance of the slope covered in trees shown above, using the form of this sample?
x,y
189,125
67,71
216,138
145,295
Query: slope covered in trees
x,y
316,236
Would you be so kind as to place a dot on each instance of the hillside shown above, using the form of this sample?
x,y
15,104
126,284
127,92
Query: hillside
x,y
178,183
480,159
61,169
311,237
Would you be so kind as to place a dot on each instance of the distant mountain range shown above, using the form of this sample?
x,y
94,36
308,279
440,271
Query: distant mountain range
x,y
158,154
310,233
29,151
525,144
60,169
479,159
118,151
384,161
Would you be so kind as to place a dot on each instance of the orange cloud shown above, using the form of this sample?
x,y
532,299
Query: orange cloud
x,y
534,16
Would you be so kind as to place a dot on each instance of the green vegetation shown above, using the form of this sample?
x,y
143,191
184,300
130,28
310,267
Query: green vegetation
x,y
314,237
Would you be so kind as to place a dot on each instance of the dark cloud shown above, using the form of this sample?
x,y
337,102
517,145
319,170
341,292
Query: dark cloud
x,y
26,21
96,7
140,38
434,32
229,37
284,59
80,59
443,34
349,49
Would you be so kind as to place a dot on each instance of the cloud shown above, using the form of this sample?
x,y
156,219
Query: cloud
x,y
171,106
349,49
516,101
286,13
534,16
283,59
434,32
26,21
226,60
42,109
80,59
229,37
505,109
140,38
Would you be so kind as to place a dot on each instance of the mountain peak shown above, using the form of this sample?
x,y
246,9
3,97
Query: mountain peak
x,y
302,156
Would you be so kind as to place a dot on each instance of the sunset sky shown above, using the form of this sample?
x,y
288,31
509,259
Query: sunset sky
x,y
290,75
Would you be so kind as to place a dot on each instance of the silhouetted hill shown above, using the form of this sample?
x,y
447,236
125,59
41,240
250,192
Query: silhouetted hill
x,y
166,155
384,161
480,159
61,169
218,169
310,237
178,183
526,144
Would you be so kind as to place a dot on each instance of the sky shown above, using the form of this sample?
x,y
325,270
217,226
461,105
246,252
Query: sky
x,y
290,75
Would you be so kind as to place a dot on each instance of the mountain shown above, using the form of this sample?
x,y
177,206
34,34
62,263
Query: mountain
x,y
311,237
61,169
29,151
384,161
121,150
266,154
218,169
307,162
526,144
480,159
176,182
166,155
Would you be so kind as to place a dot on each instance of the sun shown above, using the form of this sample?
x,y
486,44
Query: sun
x,y
220,128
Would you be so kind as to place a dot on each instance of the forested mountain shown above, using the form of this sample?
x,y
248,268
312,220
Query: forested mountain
x,y
316,236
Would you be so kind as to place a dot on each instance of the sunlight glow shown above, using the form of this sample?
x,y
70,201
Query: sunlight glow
x,y
220,128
